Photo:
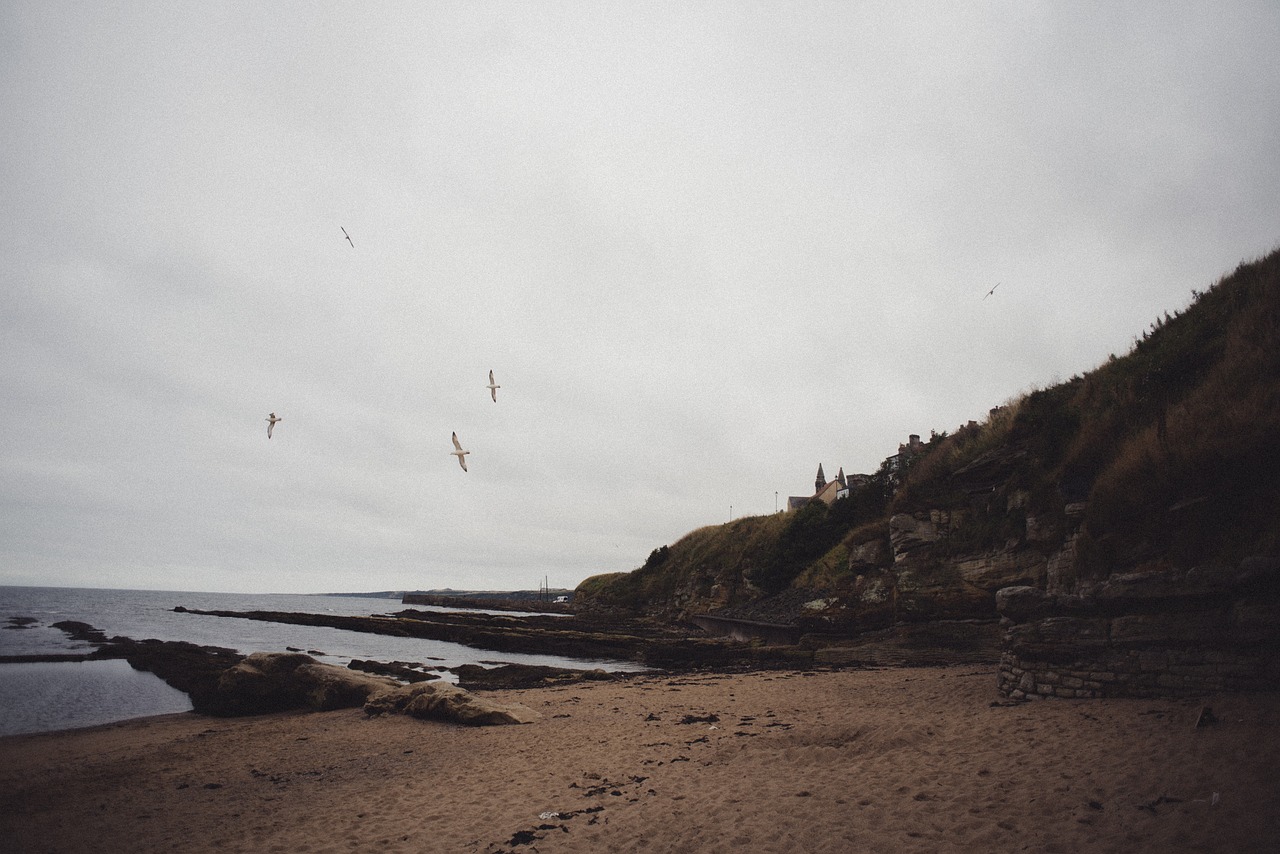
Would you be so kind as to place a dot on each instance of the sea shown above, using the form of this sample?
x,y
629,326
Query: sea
x,y
44,697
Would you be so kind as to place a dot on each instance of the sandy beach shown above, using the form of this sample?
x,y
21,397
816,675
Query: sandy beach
x,y
860,760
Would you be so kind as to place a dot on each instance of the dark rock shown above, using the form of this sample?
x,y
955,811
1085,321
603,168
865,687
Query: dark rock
x,y
1019,603
523,837
1254,621
989,470
917,645
81,631
191,668
700,719
1163,583
654,644
1167,629
400,670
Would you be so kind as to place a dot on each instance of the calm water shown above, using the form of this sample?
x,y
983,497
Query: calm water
x,y
43,697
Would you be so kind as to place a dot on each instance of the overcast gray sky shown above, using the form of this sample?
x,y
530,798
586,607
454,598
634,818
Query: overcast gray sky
x,y
704,247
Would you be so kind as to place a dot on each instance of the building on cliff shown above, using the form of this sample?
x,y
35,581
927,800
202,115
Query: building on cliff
x,y
826,491
905,452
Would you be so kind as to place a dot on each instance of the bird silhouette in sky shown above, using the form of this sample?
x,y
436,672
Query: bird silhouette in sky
x,y
993,290
348,236
459,453
271,423
493,388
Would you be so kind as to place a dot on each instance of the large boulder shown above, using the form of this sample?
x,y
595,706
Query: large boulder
x,y
272,682
447,702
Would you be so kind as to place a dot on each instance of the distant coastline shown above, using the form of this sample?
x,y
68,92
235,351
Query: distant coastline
x,y
459,598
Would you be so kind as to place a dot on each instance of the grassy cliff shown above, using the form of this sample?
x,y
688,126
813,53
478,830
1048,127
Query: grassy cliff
x,y
1163,457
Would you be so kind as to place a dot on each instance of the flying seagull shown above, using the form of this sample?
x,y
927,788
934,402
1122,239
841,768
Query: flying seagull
x,y
993,290
271,423
493,388
459,453
348,236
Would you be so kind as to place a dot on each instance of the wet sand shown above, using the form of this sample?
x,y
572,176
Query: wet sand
x,y
883,760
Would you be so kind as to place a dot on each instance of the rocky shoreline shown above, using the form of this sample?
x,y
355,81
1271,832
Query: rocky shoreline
x,y
222,682
647,642
666,647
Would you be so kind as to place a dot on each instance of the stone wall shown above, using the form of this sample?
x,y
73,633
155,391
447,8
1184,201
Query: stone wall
x,y
1140,673
1160,633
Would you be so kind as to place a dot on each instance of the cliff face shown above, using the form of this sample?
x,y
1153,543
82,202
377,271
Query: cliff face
x,y
1135,510
909,566
1155,632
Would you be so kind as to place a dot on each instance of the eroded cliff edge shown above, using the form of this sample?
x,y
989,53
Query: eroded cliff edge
x,y
1115,534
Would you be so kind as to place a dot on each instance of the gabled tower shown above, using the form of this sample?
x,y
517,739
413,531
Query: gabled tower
x,y
820,481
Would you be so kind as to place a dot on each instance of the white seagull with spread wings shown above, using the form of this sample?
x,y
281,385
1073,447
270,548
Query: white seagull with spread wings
x,y
271,423
493,388
459,453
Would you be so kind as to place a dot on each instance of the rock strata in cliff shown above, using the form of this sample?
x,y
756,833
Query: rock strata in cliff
x,y
1140,634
